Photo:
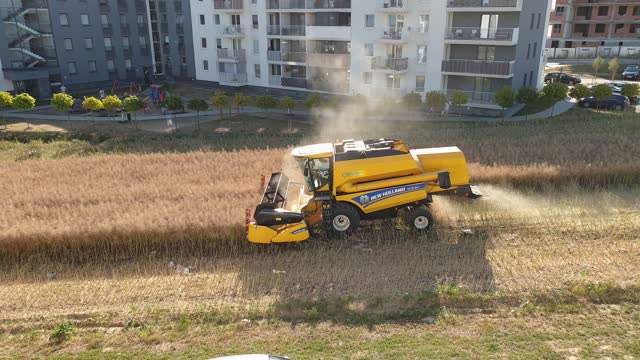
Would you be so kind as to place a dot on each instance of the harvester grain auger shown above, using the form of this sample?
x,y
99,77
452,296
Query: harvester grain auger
x,y
353,181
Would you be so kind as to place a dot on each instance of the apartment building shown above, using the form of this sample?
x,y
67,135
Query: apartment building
x,y
83,44
592,23
376,48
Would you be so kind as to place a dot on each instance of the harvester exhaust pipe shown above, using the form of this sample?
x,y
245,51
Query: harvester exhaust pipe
x,y
444,180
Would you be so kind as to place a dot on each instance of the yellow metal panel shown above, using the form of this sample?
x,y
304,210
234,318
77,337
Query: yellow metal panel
x,y
371,169
292,233
449,159
372,201
260,234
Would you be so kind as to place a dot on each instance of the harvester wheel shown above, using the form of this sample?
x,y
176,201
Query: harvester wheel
x,y
420,219
345,219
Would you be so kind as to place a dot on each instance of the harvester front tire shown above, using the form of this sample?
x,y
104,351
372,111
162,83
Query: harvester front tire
x,y
420,219
345,220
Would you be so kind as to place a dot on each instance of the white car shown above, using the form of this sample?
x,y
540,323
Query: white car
x,y
251,357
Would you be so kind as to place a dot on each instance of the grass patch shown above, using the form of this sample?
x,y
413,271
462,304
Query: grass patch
x,y
541,104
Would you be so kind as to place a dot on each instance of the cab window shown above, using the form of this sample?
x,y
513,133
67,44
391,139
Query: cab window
x,y
316,173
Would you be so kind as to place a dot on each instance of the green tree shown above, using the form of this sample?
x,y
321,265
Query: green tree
x,y
6,102
630,90
459,98
555,92
92,104
112,103
436,100
313,101
174,103
614,66
197,105
220,100
240,101
597,64
579,92
601,92
266,102
62,102
133,104
527,96
24,101
505,98
287,103
412,100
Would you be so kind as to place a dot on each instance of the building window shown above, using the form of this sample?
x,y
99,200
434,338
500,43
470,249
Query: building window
x,y
202,19
219,43
111,66
539,18
622,10
123,19
140,19
64,20
88,43
368,49
531,78
560,11
68,44
600,28
603,11
104,20
422,54
256,69
524,81
205,65
423,23
420,80
582,11
636,10
71,68
92,66
367,77
533,19
369,21
256,47
557,28
107,43
528,51
535,50
216,19
254,20
125,42
84,19
127,64
142,41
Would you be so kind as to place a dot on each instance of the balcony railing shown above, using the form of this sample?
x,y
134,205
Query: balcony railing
x,y
308,4
392,33
300,83
476,33
287,30
275,80
475,97
286,4
393,64
228,4
392,5
233,78
233,30
482,3
501,68
234,55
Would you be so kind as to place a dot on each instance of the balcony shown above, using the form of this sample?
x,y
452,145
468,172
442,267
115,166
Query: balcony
x,y
496,69
233,31
302,5
484,5
286,4
389,65
228,5
392,6
288,56
341,33
482,36
393,35
328,60
299,83
228,55
286,30
233,79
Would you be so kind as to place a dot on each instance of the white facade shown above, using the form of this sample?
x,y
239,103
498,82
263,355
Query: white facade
x,y
372,47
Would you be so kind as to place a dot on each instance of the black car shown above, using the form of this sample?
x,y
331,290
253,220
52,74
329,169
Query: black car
x,y
562,78
631,72
615,102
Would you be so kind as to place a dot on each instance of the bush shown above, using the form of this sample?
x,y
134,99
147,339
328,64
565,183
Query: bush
x,y
579,92
313,101
436,100
459,98
527,95
266,102
412,100
61,333
92,104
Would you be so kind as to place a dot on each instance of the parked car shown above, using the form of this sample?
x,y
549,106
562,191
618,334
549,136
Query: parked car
x,y
616,87
615,102
631,72
562,78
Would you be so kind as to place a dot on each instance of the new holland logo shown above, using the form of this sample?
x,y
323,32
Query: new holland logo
x,y
364,199
299,231
375,196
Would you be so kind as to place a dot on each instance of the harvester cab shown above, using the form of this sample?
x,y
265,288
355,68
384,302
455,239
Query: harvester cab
x,y
350,181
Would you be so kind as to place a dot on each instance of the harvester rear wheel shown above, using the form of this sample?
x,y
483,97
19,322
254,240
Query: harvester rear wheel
x,y
419,219
345,219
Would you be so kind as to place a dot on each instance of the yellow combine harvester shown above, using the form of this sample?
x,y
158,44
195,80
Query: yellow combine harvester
x,y
350,181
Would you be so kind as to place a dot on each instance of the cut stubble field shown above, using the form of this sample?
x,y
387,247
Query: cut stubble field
x,y
555,233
